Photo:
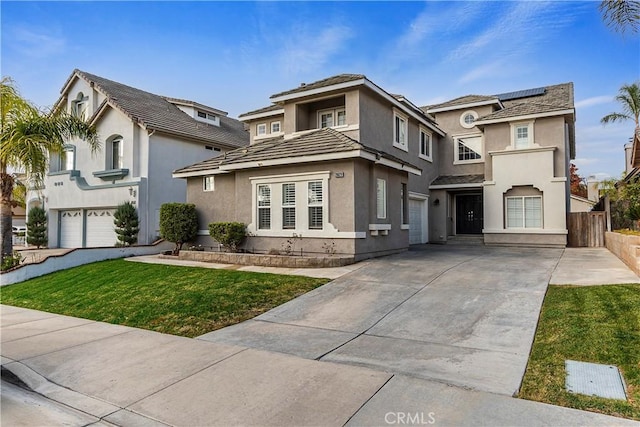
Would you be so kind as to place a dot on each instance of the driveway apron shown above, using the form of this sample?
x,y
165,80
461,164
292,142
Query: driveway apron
x,y
462,315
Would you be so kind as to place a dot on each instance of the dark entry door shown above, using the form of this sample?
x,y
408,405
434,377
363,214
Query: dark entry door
x,y
469,214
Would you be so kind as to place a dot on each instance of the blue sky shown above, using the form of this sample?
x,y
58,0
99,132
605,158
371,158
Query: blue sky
x,y
233,56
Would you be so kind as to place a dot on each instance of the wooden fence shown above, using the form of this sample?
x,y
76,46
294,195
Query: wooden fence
x,y
586,229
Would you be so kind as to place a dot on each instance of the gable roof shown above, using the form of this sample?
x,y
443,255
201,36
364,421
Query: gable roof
x,y
317,145
154,112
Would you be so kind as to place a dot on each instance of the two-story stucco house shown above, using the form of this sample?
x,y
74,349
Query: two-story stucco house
x,y
340,162
503,167
144,138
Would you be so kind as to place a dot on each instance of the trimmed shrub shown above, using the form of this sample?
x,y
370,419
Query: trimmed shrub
x,y
127,224
229,234
178,223
37,227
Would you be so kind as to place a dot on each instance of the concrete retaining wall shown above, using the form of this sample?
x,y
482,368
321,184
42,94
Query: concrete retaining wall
x,y
266,260
78,257
626,247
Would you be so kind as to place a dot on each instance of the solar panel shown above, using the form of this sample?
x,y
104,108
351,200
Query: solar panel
x,y
521,94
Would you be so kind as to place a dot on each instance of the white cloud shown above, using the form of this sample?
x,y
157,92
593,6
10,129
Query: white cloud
x,y
309,51
595,100
36,42
486,70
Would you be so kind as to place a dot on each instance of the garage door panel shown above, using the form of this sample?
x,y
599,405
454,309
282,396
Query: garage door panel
x,y
71,229
100,228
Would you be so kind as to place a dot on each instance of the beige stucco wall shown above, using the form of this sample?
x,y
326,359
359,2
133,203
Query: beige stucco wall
x,y
511,169
351,209
450,122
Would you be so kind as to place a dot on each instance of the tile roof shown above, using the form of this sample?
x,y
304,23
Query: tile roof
x,y
330,81
155,112
555,98
458,179
467,99
317,142
272,107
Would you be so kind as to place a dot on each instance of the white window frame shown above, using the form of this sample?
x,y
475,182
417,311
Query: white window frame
x,y
289,205
402,144
456,140
273,124
315,204
381,198
464,115
208,183
261,129
514,135
429,155
264,206
301,204
79,106
523,212
115,162
334,117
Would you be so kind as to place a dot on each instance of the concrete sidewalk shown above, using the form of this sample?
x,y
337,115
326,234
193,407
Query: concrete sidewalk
x,y
591,266
125,376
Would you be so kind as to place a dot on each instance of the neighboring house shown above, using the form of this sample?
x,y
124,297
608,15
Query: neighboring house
x,y
144,138
346,165
339,162
581,204
504,165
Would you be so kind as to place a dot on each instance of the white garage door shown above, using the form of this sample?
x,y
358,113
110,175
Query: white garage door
x,y
100,228
416,221
71,229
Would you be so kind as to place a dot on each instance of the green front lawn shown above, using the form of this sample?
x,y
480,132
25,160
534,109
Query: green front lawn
x,y
187,301
597,324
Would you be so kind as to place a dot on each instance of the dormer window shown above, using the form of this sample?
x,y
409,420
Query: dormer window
x,y
261,129
207,118
275,127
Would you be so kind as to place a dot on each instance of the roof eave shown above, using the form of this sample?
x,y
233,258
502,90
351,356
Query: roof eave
x,y
249,117
565,112
466,105
318,90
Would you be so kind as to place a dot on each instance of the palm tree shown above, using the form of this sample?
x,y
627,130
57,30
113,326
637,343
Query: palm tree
x,y
621,14
27,137
629,98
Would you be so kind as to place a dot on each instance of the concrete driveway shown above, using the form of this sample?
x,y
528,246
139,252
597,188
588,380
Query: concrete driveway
x,y
465,316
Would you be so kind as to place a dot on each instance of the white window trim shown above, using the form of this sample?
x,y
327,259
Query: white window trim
x,y
381,203
261,126
514,128
524,219
465,124
334,112
279,131
399,145
328,230
428,158
456,161
204,183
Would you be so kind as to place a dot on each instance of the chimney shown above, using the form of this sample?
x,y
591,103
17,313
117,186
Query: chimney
x,y
628,156
593,189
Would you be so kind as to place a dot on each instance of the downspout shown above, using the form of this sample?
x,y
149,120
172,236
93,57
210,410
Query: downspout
x,y
146,192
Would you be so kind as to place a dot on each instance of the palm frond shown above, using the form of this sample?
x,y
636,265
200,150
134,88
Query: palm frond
x,y
621,15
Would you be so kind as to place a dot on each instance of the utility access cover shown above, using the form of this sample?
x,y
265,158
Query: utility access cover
x,y
594,379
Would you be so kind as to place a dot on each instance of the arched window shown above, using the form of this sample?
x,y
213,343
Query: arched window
x,y
115,148
79,107
523,207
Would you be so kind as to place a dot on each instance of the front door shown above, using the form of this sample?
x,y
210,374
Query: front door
x,y
469,214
